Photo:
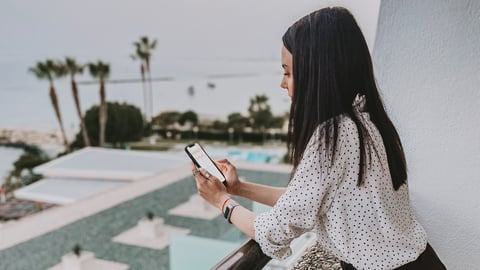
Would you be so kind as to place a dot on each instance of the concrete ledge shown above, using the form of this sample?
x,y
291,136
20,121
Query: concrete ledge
x,y
134,237
195,207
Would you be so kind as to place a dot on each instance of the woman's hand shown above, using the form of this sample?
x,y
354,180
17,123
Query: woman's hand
x,y
210,188
230,172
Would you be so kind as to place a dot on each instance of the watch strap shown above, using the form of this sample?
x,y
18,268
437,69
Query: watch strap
x,y
229,209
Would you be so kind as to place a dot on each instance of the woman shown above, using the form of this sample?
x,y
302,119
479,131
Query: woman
x,y
349,178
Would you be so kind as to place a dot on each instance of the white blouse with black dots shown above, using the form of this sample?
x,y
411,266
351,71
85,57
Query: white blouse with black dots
x,y
370,227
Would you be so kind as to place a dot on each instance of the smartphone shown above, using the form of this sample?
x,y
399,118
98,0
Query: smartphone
x,y
202,160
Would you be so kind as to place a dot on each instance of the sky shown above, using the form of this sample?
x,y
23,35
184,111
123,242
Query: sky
x,y
194,37
34,30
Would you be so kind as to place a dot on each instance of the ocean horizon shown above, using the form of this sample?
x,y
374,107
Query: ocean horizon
x,y
235,46
26,101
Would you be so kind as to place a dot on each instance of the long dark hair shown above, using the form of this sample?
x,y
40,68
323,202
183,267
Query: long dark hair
x,y
331,64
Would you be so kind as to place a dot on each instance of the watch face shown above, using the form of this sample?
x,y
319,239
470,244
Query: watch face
x,y
229,208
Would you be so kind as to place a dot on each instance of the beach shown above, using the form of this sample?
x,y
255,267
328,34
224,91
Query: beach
x,y
49,141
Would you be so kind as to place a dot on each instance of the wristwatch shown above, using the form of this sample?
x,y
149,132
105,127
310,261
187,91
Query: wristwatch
x,y
229,209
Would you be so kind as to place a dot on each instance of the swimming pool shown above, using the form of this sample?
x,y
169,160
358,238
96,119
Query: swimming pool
x,y
255,154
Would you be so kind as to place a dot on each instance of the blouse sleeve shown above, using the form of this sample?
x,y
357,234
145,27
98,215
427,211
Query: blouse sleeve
x,y
304,202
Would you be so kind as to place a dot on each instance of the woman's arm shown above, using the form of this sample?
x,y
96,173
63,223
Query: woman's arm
x,y
244,219
256,192
260,193
213,191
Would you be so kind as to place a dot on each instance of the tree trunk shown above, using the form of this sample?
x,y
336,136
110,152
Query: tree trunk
x,y
56,108
145,93
86,139
102,114
150,89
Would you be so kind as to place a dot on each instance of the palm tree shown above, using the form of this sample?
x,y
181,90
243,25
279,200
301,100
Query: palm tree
x,y
74,68
139,55
143,50
101,71
48,70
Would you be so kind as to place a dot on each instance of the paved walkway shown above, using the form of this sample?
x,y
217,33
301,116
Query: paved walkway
x,y
49,220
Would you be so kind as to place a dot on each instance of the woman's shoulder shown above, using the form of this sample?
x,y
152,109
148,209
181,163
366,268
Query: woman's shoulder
x,y
346,121
343,122
346,132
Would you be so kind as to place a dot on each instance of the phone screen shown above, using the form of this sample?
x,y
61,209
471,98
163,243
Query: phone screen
x,y
202,160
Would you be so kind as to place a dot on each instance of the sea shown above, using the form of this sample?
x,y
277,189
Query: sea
x,y
221,87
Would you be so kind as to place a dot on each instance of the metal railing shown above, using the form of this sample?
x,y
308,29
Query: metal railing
x,y
247,256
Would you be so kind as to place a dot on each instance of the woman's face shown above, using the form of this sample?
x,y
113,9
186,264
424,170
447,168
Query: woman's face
x,y
287,65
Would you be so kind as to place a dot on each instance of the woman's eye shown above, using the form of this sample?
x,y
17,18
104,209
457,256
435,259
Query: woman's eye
x,y
286,74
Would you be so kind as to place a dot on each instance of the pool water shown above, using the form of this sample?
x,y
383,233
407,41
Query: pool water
x,y
255,155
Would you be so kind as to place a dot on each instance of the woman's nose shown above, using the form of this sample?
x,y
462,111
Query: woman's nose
x,y
283,84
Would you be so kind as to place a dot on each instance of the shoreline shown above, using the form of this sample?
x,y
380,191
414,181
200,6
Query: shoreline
x,y
47,141
8,156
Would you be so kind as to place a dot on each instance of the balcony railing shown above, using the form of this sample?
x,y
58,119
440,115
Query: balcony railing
x,y
250,256
247,256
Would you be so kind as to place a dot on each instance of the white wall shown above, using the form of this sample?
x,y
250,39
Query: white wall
x,y
427,59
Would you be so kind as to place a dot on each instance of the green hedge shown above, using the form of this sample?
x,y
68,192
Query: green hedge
x,y
253,137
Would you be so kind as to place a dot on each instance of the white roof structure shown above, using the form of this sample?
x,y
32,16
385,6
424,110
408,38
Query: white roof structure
x,y
64,191
94,170
111,164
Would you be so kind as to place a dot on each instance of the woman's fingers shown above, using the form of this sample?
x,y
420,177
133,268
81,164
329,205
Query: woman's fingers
x,y
221,164
194,169
208,186
225,165
207,175
224,161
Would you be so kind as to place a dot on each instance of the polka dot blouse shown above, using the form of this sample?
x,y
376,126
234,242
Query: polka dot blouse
x,y
370,227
